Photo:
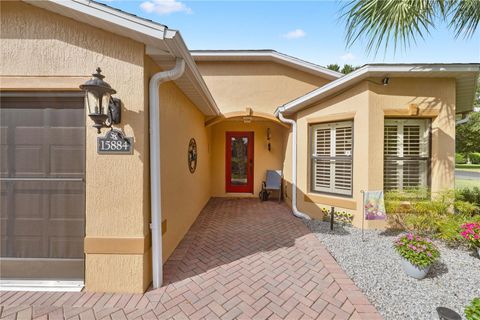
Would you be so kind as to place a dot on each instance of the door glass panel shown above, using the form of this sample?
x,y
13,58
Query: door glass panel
x,y
239,163
42,187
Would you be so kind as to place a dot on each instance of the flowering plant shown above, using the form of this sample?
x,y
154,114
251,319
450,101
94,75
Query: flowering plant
x,y
471,233
420,251
340,216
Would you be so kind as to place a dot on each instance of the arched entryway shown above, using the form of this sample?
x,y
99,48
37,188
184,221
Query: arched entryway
x,y
243,146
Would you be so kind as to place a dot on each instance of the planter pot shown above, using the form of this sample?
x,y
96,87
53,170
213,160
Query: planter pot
x,y
414,271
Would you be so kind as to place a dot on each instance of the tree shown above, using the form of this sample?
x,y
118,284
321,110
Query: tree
x,y
346,69
403,21
468,133
334,67
476,101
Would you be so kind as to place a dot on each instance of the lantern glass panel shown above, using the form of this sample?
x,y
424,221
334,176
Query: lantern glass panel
x,y
105,103
92,103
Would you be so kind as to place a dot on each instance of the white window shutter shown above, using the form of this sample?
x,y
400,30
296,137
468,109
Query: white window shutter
x,y
406,149
343,159
321,163
332,158
391,149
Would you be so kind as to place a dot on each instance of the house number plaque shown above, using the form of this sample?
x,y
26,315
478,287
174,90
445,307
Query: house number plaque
x,y
114,142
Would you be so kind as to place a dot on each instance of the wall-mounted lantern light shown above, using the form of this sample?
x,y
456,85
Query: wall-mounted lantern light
x,y
247,119
385,81
102,108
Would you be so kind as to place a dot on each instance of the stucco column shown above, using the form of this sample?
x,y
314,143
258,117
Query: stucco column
x,y
376,120
443,145
117,242
375,127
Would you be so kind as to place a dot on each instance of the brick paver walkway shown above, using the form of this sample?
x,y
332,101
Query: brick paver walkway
x,y
242,259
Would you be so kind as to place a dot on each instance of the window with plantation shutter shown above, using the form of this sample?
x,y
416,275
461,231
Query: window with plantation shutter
x,y
406,154
332,149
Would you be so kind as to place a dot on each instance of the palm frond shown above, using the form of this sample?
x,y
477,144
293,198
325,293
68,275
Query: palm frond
x,y
381,22
464,17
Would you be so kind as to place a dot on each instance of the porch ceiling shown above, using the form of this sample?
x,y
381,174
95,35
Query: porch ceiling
x,y
248,113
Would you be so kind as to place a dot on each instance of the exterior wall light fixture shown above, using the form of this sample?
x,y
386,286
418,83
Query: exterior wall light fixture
x,y
385,81
247,119
102,108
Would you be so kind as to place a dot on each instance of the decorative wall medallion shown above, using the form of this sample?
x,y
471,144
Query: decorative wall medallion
x,y
192,155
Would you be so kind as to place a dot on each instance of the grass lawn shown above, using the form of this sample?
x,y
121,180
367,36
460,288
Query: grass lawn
x,y
464,183
468,167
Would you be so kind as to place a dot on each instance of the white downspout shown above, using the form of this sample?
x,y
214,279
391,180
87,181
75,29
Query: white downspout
x,y
295,211
155,182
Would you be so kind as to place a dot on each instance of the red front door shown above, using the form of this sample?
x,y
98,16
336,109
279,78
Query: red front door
x,y
239,162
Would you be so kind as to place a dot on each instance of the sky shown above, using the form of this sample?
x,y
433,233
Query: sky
x,y
309,30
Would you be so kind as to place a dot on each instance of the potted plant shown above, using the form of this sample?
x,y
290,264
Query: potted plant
x,y
418,254
471,233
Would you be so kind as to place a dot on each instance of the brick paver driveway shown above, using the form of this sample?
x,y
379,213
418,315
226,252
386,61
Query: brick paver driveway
x,y
241,259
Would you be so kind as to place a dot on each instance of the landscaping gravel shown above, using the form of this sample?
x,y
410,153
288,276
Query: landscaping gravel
x,y
375,267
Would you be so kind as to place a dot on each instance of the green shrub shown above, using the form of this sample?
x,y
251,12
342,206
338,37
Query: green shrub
x,y
410,194
472,311
460,158
471,195
423,224
440,204
400,204
440,216
474,157
466,208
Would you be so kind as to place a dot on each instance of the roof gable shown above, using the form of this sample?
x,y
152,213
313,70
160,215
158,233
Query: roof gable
x,y
466,76
163,45
265,55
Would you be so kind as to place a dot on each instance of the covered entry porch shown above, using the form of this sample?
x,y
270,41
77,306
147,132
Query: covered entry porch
x,y
243,146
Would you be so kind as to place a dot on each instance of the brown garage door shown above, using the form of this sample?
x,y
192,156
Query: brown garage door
x,y
42,179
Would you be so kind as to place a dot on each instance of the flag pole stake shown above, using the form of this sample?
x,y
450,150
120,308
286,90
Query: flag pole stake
x,y
363,213
332,214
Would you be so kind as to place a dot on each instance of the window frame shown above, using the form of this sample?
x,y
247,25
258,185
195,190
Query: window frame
x,y
313,156
427,131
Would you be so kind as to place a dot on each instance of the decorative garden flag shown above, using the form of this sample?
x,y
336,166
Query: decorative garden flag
x,y
374,205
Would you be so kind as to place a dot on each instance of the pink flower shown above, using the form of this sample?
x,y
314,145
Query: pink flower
x,y
471,232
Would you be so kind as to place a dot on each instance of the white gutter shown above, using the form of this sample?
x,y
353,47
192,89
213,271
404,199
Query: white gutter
x,y
155,182
295,211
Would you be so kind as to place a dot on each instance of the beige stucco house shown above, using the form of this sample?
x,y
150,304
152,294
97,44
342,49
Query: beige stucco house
x,y
201,124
